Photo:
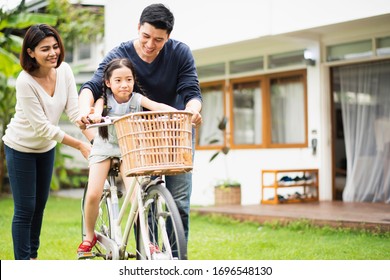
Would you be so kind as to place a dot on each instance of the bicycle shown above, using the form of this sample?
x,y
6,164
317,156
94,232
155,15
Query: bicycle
x,y
152,144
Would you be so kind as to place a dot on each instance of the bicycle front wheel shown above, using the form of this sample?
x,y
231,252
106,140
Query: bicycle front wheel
x,y
166,239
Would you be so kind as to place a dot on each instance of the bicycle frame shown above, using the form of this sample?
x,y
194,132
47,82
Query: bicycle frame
x,y
118,243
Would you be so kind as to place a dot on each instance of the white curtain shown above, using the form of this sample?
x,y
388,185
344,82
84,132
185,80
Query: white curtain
x,y
288,113
364,93
247,116
212,113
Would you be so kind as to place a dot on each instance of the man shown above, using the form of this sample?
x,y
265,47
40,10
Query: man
x,y
166,72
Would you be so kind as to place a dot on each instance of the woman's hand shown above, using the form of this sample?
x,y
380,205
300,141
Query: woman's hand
x,y
85,149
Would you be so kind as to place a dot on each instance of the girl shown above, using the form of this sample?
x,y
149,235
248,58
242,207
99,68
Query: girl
x,y
44,90
118,99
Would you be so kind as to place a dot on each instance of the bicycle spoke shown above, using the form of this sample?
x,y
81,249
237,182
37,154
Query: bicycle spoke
x,y
164,226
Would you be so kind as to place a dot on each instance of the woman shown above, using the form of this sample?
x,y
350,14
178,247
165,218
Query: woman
x,y
44,90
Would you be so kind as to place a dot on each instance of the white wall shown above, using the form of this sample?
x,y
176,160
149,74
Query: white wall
x,y
244,166
205,23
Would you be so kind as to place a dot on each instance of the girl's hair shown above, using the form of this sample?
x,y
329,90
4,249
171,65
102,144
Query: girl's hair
x,y
114,64
34,35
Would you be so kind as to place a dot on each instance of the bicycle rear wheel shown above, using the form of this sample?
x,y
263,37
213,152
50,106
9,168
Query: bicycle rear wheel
x,y
166,239
102,225
83,231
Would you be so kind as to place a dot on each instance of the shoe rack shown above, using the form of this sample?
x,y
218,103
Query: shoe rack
x,y
289,186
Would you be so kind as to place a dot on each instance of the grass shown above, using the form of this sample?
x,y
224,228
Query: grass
x,y
212,238
232,240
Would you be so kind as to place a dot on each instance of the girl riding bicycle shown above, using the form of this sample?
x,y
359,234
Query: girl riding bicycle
x,y
118,99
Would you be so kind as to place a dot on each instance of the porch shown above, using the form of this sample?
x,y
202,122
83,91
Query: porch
x,y
358,215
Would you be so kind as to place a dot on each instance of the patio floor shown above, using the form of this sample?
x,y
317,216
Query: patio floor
x,y
370,216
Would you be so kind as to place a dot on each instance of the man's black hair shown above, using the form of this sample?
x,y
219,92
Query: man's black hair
x,y
159,16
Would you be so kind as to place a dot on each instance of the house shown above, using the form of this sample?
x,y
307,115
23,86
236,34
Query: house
x,y
304,86
280,70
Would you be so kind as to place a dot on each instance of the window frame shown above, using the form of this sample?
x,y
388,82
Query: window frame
x,y
289,74
260,80
265,87
221,83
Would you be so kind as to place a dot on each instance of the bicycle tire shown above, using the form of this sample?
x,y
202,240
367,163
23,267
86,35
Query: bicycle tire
x,y
102,225
83,231
164,226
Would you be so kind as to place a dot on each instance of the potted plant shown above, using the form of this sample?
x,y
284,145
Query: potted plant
x,y
226,191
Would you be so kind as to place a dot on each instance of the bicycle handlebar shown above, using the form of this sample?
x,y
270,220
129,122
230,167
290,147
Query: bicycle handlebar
x,y
106,121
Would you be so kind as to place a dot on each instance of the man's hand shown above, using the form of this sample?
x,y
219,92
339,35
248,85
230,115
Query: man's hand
x,y
194,106
196,117
89,118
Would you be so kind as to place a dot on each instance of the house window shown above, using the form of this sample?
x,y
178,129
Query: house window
x,y
352,50
84,51
288,110
286,59
211,70
267,111
246,65
383,46
247,111
212,113
69,55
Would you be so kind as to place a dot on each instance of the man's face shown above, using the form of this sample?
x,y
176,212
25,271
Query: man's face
x,y
151,40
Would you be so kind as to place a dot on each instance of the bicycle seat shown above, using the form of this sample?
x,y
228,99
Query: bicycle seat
x,y
114,166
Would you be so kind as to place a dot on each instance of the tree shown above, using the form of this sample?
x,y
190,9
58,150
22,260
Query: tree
x,y
12,26
77,23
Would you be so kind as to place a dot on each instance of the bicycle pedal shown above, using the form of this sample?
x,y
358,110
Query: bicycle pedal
x,y
131,255
86,255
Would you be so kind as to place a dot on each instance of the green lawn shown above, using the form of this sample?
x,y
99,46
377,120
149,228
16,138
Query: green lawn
x,y
212,238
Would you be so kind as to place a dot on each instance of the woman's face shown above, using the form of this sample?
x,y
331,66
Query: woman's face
x,y
121,83
46,53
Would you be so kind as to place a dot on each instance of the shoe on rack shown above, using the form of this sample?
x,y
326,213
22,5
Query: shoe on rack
x,y
86,246
298,195
307,179
286,180
298,180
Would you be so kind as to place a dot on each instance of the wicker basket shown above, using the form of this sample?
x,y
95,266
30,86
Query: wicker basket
x,y
155,143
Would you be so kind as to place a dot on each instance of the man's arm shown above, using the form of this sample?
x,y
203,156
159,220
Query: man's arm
x,y
86,102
